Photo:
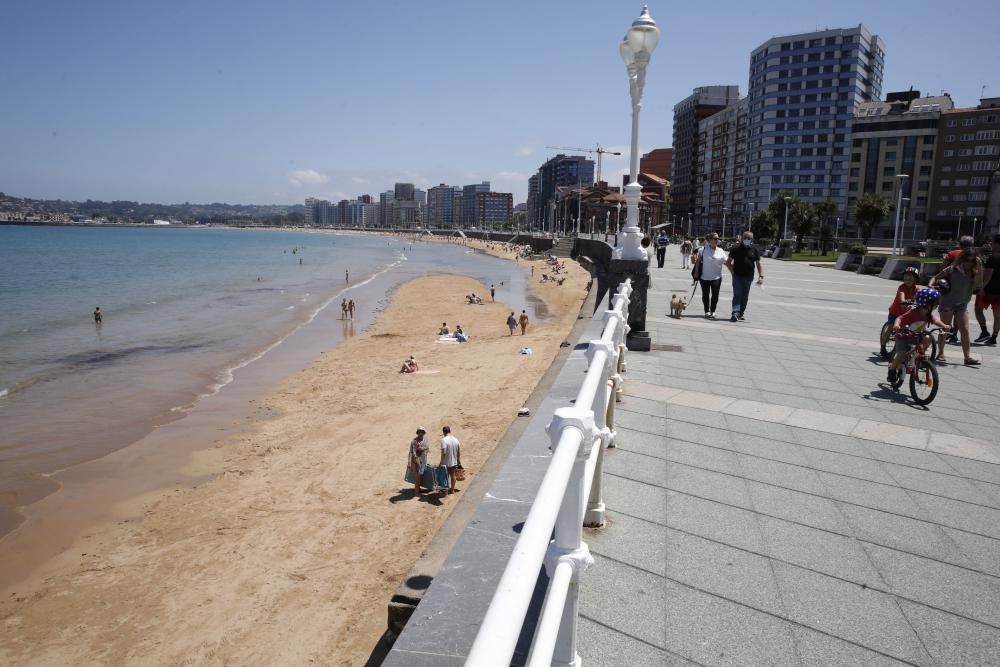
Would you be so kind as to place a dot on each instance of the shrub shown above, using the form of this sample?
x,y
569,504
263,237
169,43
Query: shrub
x,y
785,243
857,249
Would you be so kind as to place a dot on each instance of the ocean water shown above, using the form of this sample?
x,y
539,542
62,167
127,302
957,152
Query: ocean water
x,y
184,310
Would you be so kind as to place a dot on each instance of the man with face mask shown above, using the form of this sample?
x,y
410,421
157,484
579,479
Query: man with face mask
x,y
741,263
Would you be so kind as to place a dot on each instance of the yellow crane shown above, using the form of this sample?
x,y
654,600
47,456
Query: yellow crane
x,y
600,153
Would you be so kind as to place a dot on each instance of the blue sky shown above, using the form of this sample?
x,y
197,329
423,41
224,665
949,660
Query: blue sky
x,y
266,102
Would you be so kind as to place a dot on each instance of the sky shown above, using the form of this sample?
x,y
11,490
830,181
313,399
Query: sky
x,y
262,102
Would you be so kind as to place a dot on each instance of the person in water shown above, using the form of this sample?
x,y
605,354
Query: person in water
x,y
98,316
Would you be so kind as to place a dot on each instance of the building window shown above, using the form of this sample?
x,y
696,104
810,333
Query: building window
x,y
949,152
964,152
975,210
926,155
888,172
952,122
891,141
945,182
982,165
980,180
968,122
987,150
924,186
978,196
887,186
967,137
890,156
856,157
855,172
852,186
925,170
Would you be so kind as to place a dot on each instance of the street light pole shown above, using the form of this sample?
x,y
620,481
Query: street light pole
x,y
689,224
636,49
784,234
724,209
899,206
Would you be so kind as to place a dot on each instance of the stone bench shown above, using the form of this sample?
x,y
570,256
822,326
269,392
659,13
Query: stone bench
x,y
893,269
871,264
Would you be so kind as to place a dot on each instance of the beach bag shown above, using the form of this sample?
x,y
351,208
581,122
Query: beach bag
x,y
408,475
460,473
696,269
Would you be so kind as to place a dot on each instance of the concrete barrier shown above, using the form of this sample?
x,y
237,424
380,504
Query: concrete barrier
x,y
893,269
927,270
848,262
871,264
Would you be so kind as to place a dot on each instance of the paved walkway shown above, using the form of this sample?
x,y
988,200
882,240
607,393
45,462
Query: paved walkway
x,y
773,502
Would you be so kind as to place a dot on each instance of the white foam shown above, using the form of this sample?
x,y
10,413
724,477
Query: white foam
x,y
3,393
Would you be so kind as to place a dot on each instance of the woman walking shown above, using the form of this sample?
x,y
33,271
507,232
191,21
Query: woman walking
x,y
418,459
511,323
964,278
708,272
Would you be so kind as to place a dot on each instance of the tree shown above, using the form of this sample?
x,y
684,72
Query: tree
x,y
871,210
782,200
762,226
802,220
825,236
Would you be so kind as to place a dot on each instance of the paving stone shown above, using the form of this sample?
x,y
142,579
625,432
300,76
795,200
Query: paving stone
x,y
758,410
760,428
777,450
949,486
907,456
641,406
871,494
625,599
638,543
892,433
712,631
648,444
982,552
639,422
642,501
715,521
649,392
904,534
702,456
964,447
954,589
602,646
719,487
782,474
821,421
846,610
953,640
956,514
798,507
980,470
638,467
712,436
683,413
819,550
851,466
728,572
702,400
816,649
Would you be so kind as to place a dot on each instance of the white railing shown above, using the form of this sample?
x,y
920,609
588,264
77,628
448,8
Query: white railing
x,y
571,496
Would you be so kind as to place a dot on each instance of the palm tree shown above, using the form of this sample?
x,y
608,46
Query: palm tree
x,y
802,219
871,210
762,225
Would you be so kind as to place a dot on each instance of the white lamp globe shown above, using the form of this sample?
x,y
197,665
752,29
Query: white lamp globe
x,y
643,36
628,55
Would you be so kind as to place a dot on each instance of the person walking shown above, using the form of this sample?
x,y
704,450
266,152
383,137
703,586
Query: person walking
x,y
964,278
343,309
661,248
989,298
523,321
685,253
451,456
417,460
98,316
350,308
741,263
708,272
493,293
511,323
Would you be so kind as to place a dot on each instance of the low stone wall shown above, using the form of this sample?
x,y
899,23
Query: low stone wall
x,y
595,256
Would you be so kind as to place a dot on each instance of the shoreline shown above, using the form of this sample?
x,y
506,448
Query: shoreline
x,y
256,451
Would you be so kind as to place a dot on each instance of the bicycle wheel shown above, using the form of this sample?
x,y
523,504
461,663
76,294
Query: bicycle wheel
x,y
885,341
924,382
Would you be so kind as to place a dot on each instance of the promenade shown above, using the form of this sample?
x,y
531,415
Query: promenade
x,y
773,502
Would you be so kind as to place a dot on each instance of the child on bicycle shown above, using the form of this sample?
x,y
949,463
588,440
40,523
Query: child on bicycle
x,y
915,319
904,294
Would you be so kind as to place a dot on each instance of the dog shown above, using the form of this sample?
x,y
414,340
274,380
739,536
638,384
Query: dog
x,y
677,306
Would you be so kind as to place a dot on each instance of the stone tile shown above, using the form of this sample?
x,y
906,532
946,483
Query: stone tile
x,y
953,640
851,466
602,646
639,422
898,532
782,474
906,456
715,521
697,399
777,450
859,615
731,573
683,413
702,456
650,392
759,428
798,507
986,472
891,433
832,442
991,491
956,514
758,410
418,659
638,467
954,589
821,421
949,486
712,436
983,553
819,650
641,406
648,444
871,494
819,550
642,501
964,447
727,489
625,599
632,541
713,631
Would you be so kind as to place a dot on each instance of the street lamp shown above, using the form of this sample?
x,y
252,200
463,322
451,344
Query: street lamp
x,y
784,234
899,206
724,210
902,228
689,224
750,209
636,49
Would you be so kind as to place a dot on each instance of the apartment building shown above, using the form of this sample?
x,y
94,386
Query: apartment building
x,y
720,170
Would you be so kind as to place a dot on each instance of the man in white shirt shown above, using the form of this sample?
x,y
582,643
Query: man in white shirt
x,y
451,455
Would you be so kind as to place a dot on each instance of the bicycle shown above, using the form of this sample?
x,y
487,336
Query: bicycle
x,y
918,365
885,338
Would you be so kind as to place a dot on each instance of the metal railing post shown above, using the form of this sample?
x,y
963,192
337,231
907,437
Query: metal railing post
x,y
594,516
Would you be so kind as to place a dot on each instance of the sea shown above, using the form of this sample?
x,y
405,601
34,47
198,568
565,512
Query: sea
x,y
187,314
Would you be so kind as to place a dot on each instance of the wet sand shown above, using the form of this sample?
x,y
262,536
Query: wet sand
x,y
290,555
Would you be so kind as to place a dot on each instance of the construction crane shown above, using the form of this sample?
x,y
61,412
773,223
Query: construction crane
x,y
600,154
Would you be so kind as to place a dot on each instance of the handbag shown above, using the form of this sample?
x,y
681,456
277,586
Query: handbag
x,y
696,269
460,473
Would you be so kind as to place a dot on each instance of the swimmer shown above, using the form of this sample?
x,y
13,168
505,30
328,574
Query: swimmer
x,y
98,316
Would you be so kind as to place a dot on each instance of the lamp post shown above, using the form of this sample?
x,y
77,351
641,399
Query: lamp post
x,y
902,228
724,210
899,205
750,209
689,224
618,220
784,234
636,49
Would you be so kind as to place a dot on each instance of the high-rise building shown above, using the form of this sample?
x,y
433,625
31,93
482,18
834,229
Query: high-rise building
x,y
532,205
702,103
720,170
493,209
561,170
803,92
404,191
311,213
440,206
386,214
469,200
889,139
658,162
325,214
965,168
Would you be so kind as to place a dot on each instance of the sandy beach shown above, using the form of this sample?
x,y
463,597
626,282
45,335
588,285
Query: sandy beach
x,y
290,554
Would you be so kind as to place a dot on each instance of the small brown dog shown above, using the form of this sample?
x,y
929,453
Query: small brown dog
x,y
677,306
